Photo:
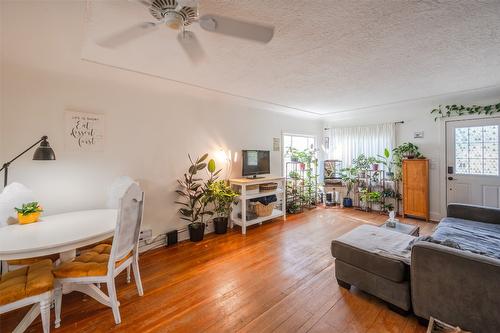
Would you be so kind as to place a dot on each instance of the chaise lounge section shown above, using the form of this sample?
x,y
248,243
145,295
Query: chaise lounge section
x,y
460,286
376,260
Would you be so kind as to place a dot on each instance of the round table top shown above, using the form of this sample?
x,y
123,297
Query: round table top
x,y
56,233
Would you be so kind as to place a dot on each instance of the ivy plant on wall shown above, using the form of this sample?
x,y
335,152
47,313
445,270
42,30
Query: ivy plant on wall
x,y
460,110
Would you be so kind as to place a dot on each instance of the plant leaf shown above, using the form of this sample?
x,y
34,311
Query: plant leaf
x,y
211,166
202,158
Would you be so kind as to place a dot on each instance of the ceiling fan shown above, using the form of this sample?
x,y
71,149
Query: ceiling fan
x,y
178,15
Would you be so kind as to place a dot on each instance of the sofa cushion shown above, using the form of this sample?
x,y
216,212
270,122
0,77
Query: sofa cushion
x,y
379,251
477,237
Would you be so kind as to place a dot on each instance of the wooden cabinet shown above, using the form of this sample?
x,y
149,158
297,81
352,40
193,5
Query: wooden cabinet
x,y
416,188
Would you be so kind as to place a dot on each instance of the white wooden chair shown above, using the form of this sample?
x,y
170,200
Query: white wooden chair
x,y
104,262
30,285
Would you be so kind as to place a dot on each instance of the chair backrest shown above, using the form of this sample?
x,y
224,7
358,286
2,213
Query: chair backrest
x,y
13,195
117,190
128,225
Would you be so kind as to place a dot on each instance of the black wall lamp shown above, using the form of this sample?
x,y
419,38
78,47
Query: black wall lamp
x,y
43,153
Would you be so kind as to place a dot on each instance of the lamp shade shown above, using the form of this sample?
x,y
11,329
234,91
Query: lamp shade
x,y
44,152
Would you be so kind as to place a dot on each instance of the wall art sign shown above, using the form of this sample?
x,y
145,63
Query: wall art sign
x,y
276,144
84,131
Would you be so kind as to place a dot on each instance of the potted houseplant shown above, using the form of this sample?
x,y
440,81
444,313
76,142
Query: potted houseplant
x,y
362,164
387,162
407,150
223,197
373,162
349,179
194,196
293,153
29,212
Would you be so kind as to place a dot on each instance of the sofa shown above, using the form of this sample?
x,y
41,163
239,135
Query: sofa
x,y
460,285
453,275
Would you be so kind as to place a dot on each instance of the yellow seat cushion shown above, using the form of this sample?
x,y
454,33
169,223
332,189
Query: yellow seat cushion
x,y
90,247
30,261
92,262
28,281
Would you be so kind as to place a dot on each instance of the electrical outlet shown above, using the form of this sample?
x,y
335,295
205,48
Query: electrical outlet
x,y
146,235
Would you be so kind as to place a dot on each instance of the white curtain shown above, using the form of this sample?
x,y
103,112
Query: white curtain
x,y
347,143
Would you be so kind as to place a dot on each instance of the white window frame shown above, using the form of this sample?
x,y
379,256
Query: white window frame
x,y
283,150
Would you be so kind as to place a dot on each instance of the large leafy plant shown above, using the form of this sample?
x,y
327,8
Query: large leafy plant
x,y
402,151
386,160
361,162
349,178
194,191
223,197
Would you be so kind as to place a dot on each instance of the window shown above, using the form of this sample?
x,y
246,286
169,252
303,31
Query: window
x,y
299,142
476,150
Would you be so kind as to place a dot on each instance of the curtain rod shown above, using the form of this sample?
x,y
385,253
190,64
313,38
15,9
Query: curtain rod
x,y
395,123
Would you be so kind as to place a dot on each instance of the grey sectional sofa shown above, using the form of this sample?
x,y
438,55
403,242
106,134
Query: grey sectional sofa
x,y
460,286
454,276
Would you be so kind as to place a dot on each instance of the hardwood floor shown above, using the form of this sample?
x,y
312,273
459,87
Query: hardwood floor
x,y
277,278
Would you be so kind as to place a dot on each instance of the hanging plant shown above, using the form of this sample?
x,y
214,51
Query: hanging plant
x,y
460,110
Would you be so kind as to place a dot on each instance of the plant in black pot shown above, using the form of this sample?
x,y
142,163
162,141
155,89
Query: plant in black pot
x,y
194,196
349,178
223,197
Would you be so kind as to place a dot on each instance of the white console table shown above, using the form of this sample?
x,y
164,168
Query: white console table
x,y
240,185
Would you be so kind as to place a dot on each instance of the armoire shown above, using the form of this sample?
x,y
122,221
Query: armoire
x,y
416,188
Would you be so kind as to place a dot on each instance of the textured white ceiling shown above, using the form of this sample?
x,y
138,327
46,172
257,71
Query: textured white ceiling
x,y
326,56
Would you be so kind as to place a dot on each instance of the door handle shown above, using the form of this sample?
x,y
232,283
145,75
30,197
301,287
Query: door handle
x,y
450,178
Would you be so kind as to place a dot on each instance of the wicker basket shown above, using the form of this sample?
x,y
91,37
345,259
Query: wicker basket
x,y
268,187
263,210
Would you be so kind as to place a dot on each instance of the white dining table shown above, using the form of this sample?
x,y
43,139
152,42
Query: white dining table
x,y
61,233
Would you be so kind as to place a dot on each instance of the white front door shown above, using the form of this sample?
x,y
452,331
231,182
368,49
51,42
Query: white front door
x,y
472,148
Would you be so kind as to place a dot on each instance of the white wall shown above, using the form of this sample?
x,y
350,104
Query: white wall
x,y
416,116
151,124
1,85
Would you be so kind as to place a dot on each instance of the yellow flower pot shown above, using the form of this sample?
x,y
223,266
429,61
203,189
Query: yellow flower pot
x,y
30,218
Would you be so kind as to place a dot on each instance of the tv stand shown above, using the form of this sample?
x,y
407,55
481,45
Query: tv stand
x,y
255,177
240,185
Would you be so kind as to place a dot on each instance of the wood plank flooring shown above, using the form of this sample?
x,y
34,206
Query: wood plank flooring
x,y
277,278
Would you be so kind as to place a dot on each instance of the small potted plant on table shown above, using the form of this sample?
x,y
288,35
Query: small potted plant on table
x,y
29,213
223,197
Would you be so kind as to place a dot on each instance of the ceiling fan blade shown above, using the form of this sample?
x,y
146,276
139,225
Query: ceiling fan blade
x,y
128,35
191,46
188,3
236,28
144,2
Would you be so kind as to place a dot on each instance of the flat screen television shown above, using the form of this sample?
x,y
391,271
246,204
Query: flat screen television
x,y
256,162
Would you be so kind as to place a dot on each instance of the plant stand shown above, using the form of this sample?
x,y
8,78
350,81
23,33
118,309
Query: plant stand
x,y
298,192
241,207
294,187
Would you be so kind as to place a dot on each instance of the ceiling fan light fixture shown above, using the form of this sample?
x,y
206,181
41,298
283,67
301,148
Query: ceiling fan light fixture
x,y
173,20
